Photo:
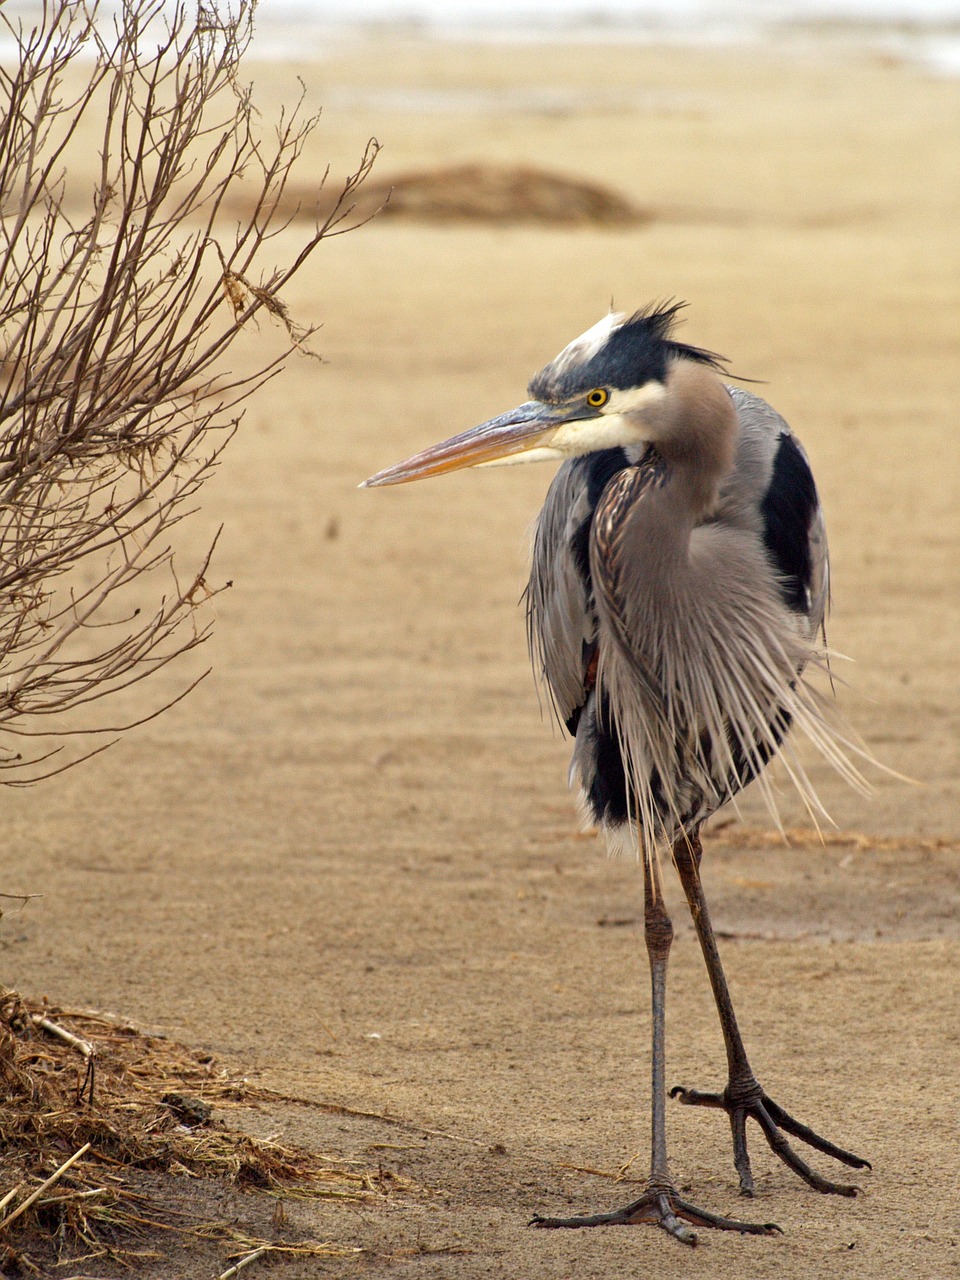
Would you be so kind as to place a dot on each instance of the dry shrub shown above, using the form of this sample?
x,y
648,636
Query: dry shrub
x,y
119,306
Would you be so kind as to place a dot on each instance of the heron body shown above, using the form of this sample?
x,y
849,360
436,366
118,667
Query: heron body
x,y
676,602
754,568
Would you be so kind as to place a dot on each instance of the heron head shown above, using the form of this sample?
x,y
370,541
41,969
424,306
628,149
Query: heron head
x,y
608,388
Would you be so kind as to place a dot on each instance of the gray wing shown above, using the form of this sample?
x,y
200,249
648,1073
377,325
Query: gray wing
x,y
561,616
771,492
561,621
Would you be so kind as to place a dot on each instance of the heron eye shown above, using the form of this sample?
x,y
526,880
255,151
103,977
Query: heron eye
x,y
597,397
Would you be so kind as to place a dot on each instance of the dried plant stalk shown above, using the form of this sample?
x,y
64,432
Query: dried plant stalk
x,y
116,309
44,1186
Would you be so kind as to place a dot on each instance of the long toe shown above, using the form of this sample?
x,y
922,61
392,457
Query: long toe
x,y
662,1207
749,1100
783,1120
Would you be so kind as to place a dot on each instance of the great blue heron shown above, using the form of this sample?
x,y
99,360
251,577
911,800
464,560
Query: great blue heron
x,y
677,596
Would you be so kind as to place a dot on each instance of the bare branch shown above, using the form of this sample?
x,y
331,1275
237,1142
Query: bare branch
x,y
117,306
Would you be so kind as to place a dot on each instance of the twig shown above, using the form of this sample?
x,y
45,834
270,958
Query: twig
x,y
262,1094
75,1042
9,1196
76,1195
807,838
585,1168
245,1262
44,1186
620,1175
758,935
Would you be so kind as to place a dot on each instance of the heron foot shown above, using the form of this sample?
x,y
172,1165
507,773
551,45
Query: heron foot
x,y
661,1206
750,1100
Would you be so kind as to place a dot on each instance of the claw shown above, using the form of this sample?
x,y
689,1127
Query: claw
x,y
694,1098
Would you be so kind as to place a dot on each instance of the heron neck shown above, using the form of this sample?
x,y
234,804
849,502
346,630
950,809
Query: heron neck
x,y
696,438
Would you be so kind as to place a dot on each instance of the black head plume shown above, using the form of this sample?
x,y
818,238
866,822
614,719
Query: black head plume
x,y
621,354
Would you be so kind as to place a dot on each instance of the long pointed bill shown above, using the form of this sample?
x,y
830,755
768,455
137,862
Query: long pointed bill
x,y
520,430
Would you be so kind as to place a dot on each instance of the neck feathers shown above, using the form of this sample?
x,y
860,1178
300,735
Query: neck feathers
x,y
699,427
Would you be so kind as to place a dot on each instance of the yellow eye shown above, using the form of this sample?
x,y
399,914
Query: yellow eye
x,y
597,397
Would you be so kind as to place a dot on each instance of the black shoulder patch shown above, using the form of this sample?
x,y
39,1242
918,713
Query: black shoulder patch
x,y
787,511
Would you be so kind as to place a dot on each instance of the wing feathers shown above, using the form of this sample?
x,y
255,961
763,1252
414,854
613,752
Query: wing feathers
x,y
701,662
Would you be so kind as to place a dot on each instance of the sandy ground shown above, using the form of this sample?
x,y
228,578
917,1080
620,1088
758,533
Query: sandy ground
x,y
348,864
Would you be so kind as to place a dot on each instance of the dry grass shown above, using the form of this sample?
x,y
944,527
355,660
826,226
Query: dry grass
x,y
729,833
501,194
90,1104
494,193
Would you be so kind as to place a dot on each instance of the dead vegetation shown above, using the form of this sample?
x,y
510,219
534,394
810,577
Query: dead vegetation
x,y
119,302
98,1118
489,193
731,834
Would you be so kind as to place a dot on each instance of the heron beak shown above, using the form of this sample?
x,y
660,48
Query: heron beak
x,y
524,430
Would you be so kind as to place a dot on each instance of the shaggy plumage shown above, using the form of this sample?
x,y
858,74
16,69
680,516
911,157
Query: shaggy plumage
x,y
675,600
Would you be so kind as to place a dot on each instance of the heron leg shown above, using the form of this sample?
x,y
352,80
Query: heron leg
x,y
743,1095
660,1204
